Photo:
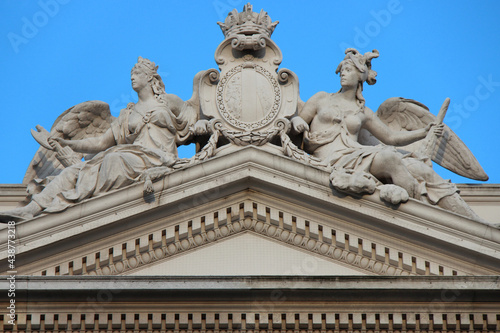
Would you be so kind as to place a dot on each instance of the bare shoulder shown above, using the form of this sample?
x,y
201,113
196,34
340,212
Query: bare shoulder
x,y
175,103
317,99
318,96
312,105
369,112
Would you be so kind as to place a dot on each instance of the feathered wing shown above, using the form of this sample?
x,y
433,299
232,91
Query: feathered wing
x,y
87,119
402,114
190,112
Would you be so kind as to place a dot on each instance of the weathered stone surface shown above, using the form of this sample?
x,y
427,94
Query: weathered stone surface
x,y
119,151
273,220
252,191
333,126
239,304
250,101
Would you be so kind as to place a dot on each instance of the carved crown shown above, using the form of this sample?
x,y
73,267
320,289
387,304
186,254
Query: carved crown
x,y
247,22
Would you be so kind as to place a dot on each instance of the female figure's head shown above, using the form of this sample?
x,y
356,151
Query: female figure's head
x,y
356,69
143,74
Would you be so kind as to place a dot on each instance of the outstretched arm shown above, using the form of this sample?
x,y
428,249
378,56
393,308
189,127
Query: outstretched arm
x,y
382,132
89,145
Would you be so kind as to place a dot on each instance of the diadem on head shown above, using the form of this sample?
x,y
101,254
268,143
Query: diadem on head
x,y
146,65
362,62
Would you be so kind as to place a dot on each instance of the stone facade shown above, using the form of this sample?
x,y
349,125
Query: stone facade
x,y
253,233
245,242
260,304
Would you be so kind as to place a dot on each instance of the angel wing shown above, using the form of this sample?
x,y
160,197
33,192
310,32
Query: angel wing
x,y
402,114
87,119
190,112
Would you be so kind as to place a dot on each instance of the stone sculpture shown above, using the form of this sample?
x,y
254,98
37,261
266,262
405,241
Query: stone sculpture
x,y
144,136
360,162
249,97
249,101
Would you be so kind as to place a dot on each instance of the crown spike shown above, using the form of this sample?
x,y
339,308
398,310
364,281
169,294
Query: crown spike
x,y
247,23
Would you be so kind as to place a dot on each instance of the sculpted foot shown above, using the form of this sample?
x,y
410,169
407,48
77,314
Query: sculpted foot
x,y
20,214
151,175
14,215
393,194
148,186
352,182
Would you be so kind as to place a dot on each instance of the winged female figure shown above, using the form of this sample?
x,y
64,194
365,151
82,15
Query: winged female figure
x,y
119,150
360,145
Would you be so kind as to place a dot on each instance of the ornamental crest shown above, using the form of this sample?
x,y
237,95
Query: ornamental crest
x,y
248,97
248,94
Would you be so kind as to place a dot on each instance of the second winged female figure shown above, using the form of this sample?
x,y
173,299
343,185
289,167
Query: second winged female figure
x,y
334,125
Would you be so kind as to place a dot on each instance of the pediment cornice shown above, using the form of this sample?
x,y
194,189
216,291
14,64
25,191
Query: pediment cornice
x,y
249,178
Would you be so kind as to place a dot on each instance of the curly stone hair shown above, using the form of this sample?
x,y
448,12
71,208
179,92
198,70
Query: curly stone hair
x,y
363,64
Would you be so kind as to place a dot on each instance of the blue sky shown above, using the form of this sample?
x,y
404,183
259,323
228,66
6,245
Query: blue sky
x,y
58,53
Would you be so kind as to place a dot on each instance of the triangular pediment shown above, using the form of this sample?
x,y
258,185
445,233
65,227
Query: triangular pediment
x,y
244,196
247,254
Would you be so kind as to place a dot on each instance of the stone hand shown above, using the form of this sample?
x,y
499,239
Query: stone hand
x,y
67,156
201,127
438,129
299,125
57,143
